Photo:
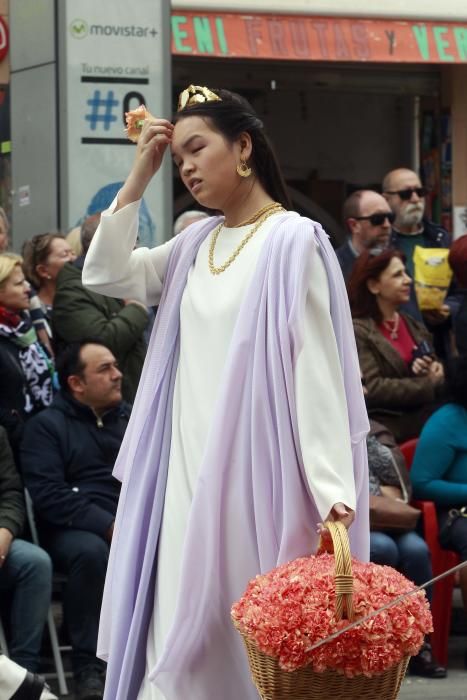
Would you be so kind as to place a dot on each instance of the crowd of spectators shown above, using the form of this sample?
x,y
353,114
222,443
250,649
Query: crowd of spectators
x,y
405,355
70,360
78,312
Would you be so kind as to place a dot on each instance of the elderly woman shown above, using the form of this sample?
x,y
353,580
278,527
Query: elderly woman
x,y
44,256
26,368
403,376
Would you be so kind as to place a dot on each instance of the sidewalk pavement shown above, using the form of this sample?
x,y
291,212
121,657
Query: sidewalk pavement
x,y
454,687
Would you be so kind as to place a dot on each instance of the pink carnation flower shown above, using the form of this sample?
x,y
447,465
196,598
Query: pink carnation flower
x,y
134,121
287,610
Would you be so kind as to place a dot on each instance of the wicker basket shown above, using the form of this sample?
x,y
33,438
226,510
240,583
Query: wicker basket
x,y
305,684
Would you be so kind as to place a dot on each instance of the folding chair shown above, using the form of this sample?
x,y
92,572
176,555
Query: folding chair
x,y
56,648
3,644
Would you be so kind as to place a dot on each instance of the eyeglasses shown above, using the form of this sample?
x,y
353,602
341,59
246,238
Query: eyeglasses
x,y
408,192
378,219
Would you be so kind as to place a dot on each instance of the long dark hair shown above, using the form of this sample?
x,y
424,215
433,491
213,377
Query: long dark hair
x,y
368,267
233,115
457,380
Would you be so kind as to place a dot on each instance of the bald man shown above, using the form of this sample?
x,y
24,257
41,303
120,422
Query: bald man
x,y
187,218
368,219
406,196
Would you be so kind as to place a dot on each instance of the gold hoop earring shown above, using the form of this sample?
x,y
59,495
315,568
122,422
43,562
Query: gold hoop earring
x,y
243,169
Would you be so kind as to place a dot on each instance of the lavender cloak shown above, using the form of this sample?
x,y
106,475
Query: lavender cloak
x,y
252,509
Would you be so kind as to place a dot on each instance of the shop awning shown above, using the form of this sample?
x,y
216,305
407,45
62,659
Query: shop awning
x,y
311,38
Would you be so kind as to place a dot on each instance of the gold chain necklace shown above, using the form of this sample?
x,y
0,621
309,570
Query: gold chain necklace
x,y
215,235
257,215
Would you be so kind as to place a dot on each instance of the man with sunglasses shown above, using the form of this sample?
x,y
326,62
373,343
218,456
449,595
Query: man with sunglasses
x,y
368,219
406,197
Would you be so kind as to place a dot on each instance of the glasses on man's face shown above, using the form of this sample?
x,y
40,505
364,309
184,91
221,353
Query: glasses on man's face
x,y
406,193
378,219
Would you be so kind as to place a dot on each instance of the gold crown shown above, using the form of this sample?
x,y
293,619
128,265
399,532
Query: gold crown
x,y
196,94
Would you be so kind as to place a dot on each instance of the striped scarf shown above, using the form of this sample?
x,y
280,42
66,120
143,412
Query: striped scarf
x,y
36,365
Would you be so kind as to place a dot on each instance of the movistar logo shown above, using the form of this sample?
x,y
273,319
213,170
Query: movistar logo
x,y
79,28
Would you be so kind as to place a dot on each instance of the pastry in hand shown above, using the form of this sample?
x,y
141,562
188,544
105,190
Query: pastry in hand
x,y
135,120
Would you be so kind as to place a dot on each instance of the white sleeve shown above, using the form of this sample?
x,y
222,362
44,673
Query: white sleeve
x,y
323,424
115,268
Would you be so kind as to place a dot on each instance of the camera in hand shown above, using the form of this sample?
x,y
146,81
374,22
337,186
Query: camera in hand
x,y
423,349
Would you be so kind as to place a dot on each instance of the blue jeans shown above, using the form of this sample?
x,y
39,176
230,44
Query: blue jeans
x,y
408,553
27,576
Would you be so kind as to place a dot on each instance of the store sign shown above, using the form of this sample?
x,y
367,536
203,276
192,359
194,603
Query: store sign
x,y
298,37
114,63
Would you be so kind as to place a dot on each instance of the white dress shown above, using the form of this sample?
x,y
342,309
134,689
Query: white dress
x,y
209,309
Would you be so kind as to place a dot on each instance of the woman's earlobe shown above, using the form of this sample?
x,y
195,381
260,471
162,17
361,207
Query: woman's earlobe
x,y
373,287
40,271
246,148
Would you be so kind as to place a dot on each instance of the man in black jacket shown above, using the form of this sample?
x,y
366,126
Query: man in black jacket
x,y
407,198
67,456
368,218
25,577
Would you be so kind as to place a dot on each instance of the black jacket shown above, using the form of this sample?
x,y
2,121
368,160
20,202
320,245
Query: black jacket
x,y
12,392
346,258
460,322
11,489
67,457
435,235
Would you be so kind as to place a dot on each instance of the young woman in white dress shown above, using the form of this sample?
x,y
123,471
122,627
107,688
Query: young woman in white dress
x,y
224,159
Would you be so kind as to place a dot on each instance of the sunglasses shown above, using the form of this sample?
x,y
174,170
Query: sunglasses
x,y
378,219
408,192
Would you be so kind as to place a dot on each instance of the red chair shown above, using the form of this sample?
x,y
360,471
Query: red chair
x,y
441,560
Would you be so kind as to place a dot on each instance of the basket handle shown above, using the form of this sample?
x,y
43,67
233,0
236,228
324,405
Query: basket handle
x,y
342,568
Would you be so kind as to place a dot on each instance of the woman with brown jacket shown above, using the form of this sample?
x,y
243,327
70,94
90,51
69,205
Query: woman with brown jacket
x,y
402,375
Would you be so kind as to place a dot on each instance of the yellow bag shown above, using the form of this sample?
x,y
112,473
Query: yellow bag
x,y
432,275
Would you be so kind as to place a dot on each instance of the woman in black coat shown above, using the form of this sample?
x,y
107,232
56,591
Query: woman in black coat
x,y
26,369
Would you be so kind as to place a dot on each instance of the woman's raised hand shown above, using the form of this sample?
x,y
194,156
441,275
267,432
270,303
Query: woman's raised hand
x,y
155,136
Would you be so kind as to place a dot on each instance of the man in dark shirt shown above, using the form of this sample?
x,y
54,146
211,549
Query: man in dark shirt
x,y
368,218
67,456
406,196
